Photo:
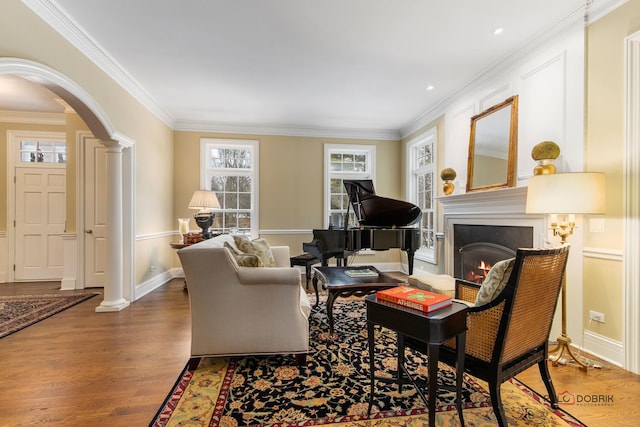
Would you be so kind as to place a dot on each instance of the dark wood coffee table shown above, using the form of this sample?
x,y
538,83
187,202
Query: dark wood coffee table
x,y
339,284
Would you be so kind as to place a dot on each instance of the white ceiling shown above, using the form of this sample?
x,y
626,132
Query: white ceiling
x,y
323,64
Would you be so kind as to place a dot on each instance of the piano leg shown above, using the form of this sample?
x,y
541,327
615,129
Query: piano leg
x,y
314,282
410,260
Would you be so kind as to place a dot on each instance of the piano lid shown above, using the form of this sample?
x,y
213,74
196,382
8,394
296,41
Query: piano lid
x,y
377,211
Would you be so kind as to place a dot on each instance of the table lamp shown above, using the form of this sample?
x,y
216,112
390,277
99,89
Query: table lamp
x,y
204,201
562,196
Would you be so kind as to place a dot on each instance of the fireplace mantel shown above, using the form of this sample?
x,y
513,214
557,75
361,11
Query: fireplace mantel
x,y
493,207
505,200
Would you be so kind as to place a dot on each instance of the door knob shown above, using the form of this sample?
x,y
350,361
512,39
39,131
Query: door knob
x,y
88,231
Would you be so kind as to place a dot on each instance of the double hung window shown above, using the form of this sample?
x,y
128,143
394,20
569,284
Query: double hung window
x,y
344,162
421,189
230,169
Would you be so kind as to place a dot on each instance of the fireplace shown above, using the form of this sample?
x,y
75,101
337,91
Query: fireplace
x,y
508,227
478,247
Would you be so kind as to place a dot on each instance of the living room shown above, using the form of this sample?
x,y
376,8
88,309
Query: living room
x,y
577,81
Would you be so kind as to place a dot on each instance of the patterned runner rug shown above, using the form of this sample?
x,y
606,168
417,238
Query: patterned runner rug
x,y
18,312
333,388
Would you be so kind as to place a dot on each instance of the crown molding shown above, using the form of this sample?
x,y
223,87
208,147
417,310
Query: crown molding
x,y
587,13
50,12
56,17
286,130
27,117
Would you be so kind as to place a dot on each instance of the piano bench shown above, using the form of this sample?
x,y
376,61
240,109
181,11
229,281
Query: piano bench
x,y
306,260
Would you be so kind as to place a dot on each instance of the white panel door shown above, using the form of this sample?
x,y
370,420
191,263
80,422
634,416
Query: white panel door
x,y
40,221
95,211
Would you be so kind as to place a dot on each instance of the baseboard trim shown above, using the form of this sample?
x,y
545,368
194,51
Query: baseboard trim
x,y
68,284
156,281
605,348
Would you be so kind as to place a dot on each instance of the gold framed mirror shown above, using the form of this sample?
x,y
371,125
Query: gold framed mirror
x,y
493,145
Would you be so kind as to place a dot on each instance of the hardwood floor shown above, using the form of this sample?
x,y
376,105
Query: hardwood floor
x,y
81,368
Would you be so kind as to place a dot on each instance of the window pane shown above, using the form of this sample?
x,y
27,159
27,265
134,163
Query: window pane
x,y
231,183
336,202
43,152
336,186
230,219
244,222
217,184
244,201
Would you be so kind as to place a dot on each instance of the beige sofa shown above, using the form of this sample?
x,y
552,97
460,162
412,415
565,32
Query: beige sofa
x,y
244,310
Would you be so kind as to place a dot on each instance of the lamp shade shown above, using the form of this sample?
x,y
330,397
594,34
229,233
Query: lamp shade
x,y
566,193
204,200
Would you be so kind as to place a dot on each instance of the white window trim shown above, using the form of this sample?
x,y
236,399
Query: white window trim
x,y
369,150
423,254
255,174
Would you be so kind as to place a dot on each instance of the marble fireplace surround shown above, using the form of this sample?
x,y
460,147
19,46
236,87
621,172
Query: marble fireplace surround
x,y
504,207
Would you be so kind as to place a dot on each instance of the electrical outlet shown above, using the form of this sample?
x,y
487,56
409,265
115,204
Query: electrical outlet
x,y
598,317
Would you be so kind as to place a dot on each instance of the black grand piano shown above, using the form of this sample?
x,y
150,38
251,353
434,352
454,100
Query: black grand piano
x,y
383,223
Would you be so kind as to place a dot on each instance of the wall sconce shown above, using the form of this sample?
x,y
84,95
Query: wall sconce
x,y
562,196
204,201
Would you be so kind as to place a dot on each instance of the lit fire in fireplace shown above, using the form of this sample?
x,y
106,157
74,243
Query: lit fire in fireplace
x,y
479,273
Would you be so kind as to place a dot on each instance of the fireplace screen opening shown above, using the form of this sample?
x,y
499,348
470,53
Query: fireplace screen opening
x,y
479,247
476,259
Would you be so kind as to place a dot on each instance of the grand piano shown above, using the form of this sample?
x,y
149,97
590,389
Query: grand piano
x,y
383,223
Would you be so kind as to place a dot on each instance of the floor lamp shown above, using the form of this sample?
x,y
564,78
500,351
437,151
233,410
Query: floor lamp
x,y
562,196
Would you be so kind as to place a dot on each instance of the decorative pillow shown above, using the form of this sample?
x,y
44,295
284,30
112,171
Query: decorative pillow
x,y
495,281
244,260
258,247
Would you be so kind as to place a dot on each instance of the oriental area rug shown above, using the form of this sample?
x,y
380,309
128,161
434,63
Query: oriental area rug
x,y
19,311
333,388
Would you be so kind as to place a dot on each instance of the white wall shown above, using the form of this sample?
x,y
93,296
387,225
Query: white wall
x,y
550,84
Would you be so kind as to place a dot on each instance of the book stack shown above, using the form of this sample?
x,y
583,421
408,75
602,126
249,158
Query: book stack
x,y
365,272
417,299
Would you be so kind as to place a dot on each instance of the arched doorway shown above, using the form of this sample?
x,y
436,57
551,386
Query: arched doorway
x,y
118,288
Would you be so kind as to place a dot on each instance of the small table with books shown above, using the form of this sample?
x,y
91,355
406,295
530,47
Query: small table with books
x,y
348,281
431,329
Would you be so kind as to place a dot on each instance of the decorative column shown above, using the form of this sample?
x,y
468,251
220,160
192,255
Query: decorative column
x,y
113,286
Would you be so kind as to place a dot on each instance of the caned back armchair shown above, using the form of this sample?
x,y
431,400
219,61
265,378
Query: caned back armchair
x,y
511,333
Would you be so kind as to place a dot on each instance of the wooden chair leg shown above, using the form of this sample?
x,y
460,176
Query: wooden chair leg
x,y
496,402
548,383
301,359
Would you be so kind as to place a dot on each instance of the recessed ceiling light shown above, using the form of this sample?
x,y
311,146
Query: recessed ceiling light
x,y
430,87
498,31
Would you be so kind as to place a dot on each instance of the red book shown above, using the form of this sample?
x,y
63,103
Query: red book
x,y
417,299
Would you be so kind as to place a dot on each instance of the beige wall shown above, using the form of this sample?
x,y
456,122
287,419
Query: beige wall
x,y
291,182
23,35
604,151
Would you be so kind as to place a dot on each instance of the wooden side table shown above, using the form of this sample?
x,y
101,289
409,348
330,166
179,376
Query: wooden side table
x,y
432,329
